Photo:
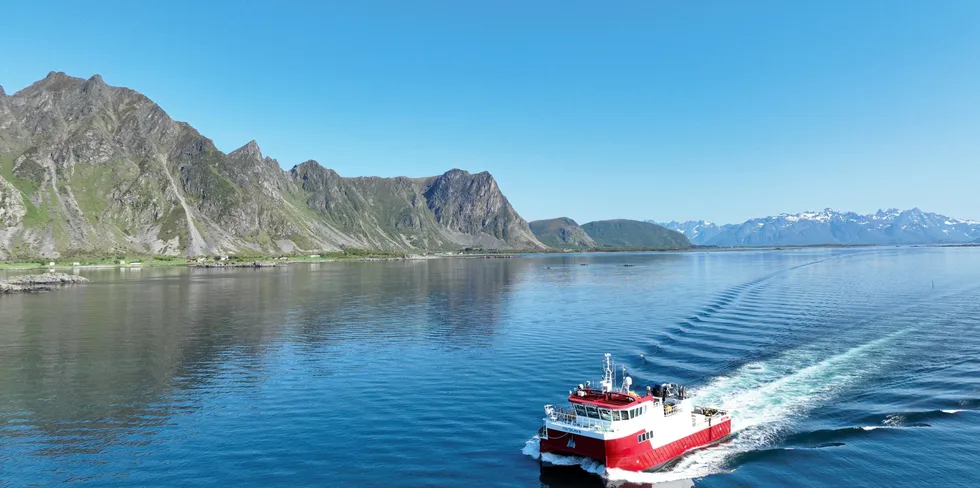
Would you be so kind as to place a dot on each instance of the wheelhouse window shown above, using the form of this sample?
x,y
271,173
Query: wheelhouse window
x,y
592,412
580,411
615,414
604,414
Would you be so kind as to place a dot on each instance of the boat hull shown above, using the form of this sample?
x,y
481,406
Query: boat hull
x,y
627,452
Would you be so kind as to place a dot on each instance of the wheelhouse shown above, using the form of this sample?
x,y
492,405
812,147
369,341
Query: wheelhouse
x,y
613,415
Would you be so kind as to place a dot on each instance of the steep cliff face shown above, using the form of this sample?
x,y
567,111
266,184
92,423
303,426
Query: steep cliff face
x,y
443,212
12,209
86,168
474,205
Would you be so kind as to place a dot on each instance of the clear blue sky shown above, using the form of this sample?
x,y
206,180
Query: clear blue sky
x,y
666,109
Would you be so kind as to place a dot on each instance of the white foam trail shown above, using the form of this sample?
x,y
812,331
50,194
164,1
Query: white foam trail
x,y
764,397
894,420
950,411
532,447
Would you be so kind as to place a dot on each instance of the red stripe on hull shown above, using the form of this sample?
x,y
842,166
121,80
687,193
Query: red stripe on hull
x,y
647,458
559,442
626,453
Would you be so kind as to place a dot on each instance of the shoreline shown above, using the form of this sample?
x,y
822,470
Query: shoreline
x,y
256,263
262,262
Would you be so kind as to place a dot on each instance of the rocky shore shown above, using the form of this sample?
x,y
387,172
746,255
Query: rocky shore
x,y
39,282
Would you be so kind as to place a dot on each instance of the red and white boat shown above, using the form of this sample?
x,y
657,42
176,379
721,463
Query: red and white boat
x,y
626,430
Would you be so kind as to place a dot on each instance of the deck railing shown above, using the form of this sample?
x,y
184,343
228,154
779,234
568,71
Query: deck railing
x,y
673,411
710,412
568,417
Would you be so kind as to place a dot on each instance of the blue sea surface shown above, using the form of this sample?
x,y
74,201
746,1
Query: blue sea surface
x,y
851,366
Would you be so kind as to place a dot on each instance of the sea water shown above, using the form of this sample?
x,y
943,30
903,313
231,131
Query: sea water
x,y
840,367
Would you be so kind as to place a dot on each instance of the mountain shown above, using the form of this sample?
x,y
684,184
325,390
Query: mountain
x,y
91,169
698,231
561,233
634,234
891,226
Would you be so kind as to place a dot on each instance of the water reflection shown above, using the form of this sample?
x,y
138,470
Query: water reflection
x,y
575,477
434,373
569,477
455,302
87,367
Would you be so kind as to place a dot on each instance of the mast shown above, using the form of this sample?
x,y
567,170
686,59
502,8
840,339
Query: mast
x,y
609,374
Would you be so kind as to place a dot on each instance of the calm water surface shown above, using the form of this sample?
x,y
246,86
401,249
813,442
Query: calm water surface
x,y
843,367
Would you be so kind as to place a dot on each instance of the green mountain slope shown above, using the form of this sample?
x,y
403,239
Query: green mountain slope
x,y
561,233
634,234
90,169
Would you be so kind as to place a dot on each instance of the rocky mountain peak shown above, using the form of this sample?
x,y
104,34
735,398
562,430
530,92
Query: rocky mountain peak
x,y
55,81
313,166
891,226
473,204
313,176
2,93
458,174
248,151
887,213
456,187
95,87
128,169
72,90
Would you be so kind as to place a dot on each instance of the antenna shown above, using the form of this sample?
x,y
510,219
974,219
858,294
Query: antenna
x,y
627,381
609,374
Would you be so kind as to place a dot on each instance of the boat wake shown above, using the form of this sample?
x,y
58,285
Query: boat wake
x,y
764,398
532,448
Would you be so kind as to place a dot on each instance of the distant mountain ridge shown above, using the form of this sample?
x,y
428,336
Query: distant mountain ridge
x,y
565,234
890,226
561,233
634,234
87,168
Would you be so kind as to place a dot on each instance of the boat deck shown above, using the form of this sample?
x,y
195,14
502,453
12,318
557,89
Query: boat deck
x,y
614,400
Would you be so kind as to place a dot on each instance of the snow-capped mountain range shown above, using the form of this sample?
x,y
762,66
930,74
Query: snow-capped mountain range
x,y
890,226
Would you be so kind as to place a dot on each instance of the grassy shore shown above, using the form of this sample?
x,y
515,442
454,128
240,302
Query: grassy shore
x,y
354,255
151,260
